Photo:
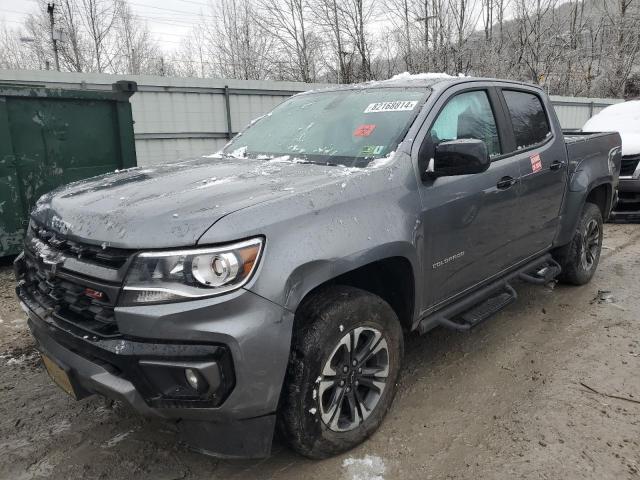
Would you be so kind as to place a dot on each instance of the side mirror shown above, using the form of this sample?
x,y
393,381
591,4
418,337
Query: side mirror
x,y
459,157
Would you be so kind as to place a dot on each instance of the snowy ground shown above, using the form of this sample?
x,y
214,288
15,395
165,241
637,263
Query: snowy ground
x,y
514,398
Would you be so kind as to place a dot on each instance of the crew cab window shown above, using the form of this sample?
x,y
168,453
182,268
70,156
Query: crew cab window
x,y
467,115
529,120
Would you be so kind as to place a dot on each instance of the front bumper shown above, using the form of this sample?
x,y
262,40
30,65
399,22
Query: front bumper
x,y
243,338
626,184
627,206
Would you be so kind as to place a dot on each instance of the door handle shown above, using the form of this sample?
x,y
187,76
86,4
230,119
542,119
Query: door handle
x,y
506,182
556,165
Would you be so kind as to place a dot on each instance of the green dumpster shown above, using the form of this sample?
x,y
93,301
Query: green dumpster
x,y
50,137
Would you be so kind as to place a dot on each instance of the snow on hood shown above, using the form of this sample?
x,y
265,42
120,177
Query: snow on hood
x,y
623,118
172,205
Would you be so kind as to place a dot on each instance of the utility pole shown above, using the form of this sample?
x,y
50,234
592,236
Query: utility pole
x,y
50,8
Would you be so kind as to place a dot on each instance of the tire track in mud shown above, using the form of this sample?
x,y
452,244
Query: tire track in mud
x,y
633,240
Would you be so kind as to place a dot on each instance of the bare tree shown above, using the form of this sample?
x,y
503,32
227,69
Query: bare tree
x,y
73,50
535,40
287,21
590,64
623,51
389,60
487,19
327,15
137,52
234,42
15,55
464,25
441,34
100,18
191,58
358,15
403,19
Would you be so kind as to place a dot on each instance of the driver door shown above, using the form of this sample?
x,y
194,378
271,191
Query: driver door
x,y
469,221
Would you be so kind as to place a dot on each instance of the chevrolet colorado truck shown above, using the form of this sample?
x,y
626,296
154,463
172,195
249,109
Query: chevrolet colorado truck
x,y
269,286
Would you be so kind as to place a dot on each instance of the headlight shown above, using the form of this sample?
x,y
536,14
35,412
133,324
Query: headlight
x,y
156,277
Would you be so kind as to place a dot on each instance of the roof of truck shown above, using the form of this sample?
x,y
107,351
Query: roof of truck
x,y
420,80
415,79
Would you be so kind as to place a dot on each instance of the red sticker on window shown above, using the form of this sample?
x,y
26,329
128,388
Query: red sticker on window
x,y
536,163
364,130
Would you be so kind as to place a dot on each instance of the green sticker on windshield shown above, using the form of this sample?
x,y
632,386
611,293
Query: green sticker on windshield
x,y
369,150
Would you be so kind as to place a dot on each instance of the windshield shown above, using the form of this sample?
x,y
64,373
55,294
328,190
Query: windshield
x,y
346,127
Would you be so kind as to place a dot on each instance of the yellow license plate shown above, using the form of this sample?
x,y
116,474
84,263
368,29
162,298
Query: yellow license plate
x,y
58,375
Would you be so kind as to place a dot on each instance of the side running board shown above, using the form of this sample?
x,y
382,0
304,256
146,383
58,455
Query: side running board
x,y
481,311
480,305
544,275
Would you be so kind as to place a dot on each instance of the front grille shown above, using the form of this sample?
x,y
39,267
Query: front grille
x,y
102,255
629,165
628,202
63,298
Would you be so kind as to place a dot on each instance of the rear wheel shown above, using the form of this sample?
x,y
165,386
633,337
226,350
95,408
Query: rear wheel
x,y
343,370
579,259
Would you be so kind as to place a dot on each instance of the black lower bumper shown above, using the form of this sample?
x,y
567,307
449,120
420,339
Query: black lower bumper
x,y
135,372
156,371
92,375
627,207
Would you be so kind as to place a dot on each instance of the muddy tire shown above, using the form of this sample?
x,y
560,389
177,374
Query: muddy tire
x,y
341,379
579,258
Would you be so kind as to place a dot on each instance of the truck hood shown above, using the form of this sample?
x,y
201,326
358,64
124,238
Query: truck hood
x,y
172,205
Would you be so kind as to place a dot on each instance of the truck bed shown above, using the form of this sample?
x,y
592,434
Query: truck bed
x,y
593,148
571,137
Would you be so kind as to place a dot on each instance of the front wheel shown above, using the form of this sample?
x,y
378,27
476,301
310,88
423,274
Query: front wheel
x,y
343,370
579,259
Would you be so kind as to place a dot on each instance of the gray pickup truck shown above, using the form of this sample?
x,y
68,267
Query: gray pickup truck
x,y
270,285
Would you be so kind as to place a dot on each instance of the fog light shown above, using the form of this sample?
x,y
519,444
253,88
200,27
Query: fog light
x,y
192,377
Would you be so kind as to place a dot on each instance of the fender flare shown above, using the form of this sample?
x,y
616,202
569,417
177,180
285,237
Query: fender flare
x,y
576,196
309,276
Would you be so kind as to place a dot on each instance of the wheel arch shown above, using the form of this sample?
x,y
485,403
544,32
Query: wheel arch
x,y
392,278
599,193
601,196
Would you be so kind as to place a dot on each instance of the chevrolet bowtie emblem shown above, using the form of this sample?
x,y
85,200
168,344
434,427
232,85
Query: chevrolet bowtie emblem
x,y
52,260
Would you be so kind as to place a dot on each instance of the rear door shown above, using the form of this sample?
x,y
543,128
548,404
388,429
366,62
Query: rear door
x,y
468,222
536,143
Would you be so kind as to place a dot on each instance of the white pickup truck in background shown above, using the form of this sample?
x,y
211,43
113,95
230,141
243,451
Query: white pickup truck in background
x,y
623,118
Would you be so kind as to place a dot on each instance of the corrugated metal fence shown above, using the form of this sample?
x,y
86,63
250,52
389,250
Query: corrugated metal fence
x,y
573,112
183,117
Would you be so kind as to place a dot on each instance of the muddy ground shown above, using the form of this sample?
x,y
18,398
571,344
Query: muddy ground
x,y
528,394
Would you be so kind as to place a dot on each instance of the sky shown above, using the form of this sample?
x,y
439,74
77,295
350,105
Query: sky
x,y
168,20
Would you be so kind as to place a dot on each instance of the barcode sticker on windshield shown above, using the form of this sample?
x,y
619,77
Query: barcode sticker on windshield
x,y
399,106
